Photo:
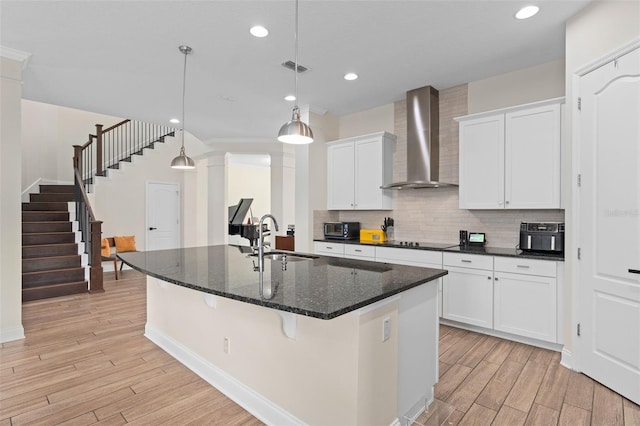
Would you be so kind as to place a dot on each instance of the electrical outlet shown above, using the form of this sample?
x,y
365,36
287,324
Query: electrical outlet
x,y
386,329
226,346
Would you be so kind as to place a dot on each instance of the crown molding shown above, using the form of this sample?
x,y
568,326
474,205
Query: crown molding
x,y
16,55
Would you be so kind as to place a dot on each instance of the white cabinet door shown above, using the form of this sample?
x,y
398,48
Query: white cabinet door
x,y
532,158
356,169
467,296
511,158
525,305
341,176
482,163
368,166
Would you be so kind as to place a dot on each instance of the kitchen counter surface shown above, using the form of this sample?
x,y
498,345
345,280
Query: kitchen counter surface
x,y
455,248
323,287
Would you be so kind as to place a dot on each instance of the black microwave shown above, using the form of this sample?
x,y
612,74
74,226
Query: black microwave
x,y
342,230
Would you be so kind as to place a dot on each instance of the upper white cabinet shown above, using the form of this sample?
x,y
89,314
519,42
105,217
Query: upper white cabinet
x,y
356,169
511,158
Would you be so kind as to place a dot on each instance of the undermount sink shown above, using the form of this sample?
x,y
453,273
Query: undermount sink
x,y
280,256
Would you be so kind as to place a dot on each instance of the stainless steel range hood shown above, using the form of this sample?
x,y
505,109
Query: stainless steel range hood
x,y
423,141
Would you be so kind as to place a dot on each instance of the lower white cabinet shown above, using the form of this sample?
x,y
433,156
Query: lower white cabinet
x,y
467,296
356,251
525,303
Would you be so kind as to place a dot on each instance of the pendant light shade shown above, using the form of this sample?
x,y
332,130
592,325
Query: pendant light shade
x,y
182,162
295,131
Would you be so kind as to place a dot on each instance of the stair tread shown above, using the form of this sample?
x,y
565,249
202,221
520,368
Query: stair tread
x,y
70,256
48,233
78,268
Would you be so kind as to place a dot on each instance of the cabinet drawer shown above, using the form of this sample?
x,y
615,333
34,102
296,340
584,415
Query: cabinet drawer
x,y
463,260
409,256
329,249
544,268
353,250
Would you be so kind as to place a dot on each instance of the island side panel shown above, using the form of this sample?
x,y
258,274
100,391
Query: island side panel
x,y
322,377
418,350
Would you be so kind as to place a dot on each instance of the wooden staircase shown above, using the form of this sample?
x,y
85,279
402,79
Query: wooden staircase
x,y
51,265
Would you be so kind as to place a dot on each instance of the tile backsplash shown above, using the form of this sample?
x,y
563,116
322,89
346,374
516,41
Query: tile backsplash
x,y
432,214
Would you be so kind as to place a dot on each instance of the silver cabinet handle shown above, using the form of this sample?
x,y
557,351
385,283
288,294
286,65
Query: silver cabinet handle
x,y
358,251
329,248
465,261
523,266
634,271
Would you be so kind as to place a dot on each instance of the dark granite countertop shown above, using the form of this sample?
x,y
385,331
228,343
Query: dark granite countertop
x,y
323,287
488,251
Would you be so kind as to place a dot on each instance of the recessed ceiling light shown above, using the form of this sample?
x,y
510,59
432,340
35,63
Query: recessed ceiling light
x,y
259,31
290,98
527,12
350,76
174,121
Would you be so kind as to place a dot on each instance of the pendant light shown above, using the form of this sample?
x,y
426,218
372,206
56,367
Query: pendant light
x,y
295,131
182,162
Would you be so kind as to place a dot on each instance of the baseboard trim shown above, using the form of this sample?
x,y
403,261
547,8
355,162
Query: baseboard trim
x,y
262,408
9,334
567,359
521,339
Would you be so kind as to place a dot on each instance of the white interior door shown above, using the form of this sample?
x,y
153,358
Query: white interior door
x,y
609,231
163,216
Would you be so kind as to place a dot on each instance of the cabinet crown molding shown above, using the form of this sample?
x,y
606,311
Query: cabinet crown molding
x,y
546,102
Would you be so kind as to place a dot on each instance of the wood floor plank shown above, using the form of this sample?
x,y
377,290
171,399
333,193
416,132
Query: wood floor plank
x,y
443,367
553,387
526,387
607,407
81,420
499,353
478,415
631,413
520,353
571,415
496,391
579,391
508,416
542,416
478,351
464,395
7,411
450,381
456,352
115,420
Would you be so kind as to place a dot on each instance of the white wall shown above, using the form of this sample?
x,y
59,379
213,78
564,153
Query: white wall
x,y
378,119
48,135
249,181
10,207
597,30
119,200
536,83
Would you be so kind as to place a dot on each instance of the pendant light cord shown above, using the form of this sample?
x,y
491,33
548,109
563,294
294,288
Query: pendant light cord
x,y
295,38
184,89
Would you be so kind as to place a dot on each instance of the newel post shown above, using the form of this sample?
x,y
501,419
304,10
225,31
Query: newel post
x,y
77,157
95,279
99,171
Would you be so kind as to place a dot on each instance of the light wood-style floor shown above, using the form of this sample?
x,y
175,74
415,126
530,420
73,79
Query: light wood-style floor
x,y
85,361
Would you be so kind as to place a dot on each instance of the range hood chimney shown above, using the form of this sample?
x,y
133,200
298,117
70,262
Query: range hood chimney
x,y
423,141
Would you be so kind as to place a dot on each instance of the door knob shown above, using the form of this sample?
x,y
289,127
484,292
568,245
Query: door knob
x,y
152,228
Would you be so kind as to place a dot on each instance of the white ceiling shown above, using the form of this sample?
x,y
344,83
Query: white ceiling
x,y
121,57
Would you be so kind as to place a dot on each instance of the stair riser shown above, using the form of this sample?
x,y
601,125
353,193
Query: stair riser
x,y
38,279
38,293
45,216
50,197
42,227
35,239
50,263
60,207
48,251
59,189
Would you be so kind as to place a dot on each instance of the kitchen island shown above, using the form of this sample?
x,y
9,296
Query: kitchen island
x,y
330,341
